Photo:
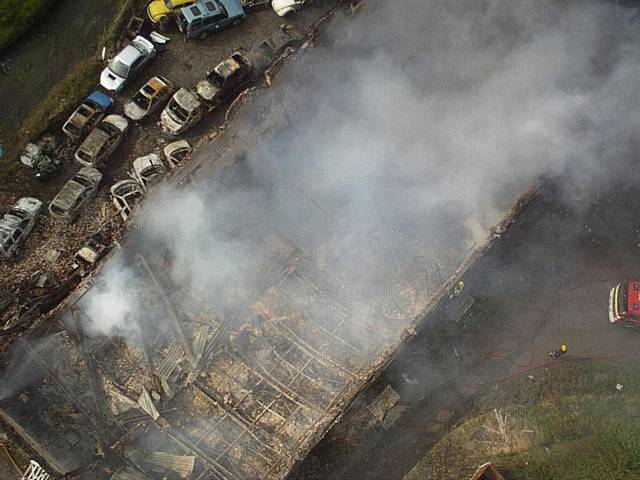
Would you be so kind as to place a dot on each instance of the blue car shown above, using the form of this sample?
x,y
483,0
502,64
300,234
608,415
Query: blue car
x,y
87,115
209,16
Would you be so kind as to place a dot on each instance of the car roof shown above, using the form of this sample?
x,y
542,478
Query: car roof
x,y
68,194
72,189
80,116
177,145
101,99
227,67
128,55
203,8
186,99
94,141
157,84
28,204
152,159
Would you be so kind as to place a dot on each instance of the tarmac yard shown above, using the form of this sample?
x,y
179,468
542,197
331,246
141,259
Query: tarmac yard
x,y
266,284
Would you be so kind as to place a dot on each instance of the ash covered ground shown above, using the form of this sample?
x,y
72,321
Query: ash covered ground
x,y
272,283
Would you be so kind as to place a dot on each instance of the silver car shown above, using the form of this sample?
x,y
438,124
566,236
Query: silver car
x,y
102,141
75,194
127,63
16,225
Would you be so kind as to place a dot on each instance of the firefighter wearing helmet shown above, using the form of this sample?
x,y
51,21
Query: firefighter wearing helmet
x,y
555,354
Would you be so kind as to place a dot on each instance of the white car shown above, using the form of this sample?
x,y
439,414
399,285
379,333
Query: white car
x,y
282,7
16,225
127,63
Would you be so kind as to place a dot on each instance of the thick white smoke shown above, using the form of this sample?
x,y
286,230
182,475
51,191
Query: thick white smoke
x,y
418,119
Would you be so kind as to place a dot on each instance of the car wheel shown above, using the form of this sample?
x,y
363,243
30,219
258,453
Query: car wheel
x,y
203,36
236,23
163,24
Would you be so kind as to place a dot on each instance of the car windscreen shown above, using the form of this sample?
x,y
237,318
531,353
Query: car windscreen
x,y
119,68
179,112
622,298
140,100
222,9
85,182
71,129
112,130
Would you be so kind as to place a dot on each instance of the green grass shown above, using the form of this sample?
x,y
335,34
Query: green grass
x,y
77,83
581,438
65,95
62,98
16,16
567,423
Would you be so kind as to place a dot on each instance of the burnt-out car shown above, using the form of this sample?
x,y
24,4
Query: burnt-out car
x,y
16,225
176,152
86,116
91,252
75,194
41,159
264,53
148,169
151,96
183,111
124,194
102,141
225,81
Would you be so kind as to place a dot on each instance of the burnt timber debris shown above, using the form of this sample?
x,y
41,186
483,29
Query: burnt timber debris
x,y
270,373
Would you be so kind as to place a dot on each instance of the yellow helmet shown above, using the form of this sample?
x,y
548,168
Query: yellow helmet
x,y
563,347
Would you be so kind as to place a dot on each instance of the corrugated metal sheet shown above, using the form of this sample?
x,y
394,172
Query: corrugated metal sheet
x,y
147,405
180,464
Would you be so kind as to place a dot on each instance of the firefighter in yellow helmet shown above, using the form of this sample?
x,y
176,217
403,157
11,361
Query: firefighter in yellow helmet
x,y
457,290
555,354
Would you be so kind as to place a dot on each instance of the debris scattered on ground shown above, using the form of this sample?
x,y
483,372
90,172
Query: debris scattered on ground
x,y
383,403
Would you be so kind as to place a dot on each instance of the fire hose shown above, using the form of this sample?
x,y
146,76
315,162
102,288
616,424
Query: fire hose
x,y
11,459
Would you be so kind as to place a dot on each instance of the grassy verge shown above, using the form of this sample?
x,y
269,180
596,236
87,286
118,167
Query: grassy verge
x,y
77,83
566,423
62,98
16,16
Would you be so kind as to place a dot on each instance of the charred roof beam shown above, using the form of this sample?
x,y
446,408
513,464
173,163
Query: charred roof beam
x,y
236,417
173,315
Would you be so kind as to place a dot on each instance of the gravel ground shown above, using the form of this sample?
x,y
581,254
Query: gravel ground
x,y
184,63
